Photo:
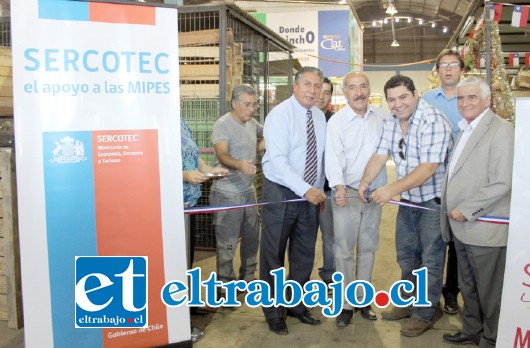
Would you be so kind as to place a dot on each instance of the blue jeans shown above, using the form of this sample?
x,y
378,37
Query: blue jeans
x,y
328,240
419,244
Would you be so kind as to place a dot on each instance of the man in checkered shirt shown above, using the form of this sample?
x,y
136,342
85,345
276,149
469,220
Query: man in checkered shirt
x,y
418,137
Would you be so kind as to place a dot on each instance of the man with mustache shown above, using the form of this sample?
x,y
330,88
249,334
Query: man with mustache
x,y
450,68
418,137
351,139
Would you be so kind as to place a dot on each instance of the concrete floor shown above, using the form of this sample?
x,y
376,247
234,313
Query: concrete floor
x,y
10,338
246,327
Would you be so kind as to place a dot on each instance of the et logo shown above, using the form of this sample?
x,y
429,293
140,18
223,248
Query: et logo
x,y
110,291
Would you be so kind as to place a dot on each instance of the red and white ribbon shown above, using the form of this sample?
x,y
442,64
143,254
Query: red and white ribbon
x,y
212,209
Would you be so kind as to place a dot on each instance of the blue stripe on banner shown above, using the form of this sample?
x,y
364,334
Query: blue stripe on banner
x,y
63,10
334,44
70,227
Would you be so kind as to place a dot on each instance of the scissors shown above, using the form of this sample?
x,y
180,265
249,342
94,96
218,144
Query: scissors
x,y
367,193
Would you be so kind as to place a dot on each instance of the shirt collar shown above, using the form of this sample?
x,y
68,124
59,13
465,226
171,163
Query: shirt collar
x,y
353,114
440,91
299,106
463,125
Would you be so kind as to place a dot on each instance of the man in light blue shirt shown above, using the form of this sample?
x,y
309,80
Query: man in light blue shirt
x,y
295,134
450,68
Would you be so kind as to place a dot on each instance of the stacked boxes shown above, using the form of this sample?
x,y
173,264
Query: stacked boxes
x,y
199,53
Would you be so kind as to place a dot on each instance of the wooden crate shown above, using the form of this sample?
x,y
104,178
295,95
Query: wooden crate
x,y
238,48
10,278
6,82
238,64
202,72
202,54
205,90
204,37
237,80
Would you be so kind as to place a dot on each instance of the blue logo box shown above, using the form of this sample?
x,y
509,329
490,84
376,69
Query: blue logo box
x,y
111,292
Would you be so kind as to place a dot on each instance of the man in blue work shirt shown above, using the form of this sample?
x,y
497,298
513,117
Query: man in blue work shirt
x,y
450,68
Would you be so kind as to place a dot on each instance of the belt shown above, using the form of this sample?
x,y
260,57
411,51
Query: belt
x,y
438,200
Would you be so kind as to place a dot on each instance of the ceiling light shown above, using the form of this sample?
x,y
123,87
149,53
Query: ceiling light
x,y
409,20
397,19
395,43
445,30
385,21
374,23
420,21
342,2
391,9
433,25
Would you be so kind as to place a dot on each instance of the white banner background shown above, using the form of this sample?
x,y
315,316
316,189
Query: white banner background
x,y
36,113
514,324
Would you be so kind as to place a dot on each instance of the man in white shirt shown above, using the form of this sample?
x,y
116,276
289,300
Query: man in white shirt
x,y
295,134
351,138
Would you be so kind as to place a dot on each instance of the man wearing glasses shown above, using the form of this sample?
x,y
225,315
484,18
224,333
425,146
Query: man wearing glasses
x,y
450,68
418,137
236,137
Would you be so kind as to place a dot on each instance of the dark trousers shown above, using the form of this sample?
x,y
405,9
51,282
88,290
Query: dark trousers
x,y
451,289
481,276
292,225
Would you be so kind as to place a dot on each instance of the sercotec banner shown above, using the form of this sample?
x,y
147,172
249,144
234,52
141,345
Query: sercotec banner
x,y
99,172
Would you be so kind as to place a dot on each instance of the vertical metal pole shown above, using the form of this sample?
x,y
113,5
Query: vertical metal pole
x,y
487,29
222,60
266,90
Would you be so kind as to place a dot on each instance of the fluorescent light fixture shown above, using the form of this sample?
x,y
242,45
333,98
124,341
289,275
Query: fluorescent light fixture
x,y
445,30
385,21
397,19
433,24
409,20
420,21
374,23
395,43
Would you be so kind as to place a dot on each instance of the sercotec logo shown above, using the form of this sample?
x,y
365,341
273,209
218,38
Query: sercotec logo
x,y
111,292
